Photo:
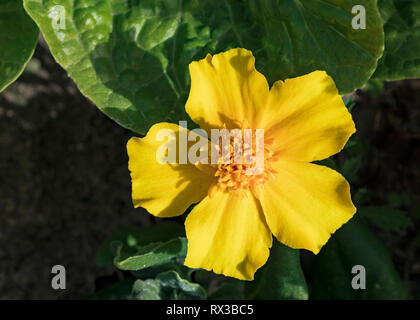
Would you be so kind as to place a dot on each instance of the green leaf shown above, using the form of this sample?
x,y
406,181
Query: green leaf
x,y
401,59
355,147
280,278
351,245
131,57
374,87
150,255
168,286
18,38
115,53
176,265
146,290
350,168
329,162
386,218
306,35
183,289
132,239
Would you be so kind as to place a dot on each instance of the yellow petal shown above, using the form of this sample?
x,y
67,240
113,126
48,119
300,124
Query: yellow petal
x,y
226,89
168,189
227,233
305,203
306,118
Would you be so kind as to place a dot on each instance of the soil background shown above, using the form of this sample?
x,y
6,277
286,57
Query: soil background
x,y
65,186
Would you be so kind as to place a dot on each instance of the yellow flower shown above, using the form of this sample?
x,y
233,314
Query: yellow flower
x,y
230,230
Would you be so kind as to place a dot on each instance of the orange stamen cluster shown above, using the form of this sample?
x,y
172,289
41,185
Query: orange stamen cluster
x,y
235,177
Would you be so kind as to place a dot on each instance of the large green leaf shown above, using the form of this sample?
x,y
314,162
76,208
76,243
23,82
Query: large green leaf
x,y
306,35
18,38
280,278
114,51
131,57
401,57
352,245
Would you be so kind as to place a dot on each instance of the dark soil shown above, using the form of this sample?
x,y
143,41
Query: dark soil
x,y
65,187
389,124
64,184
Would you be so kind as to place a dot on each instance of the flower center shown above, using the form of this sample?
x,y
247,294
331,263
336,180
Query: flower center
x,y
244,166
